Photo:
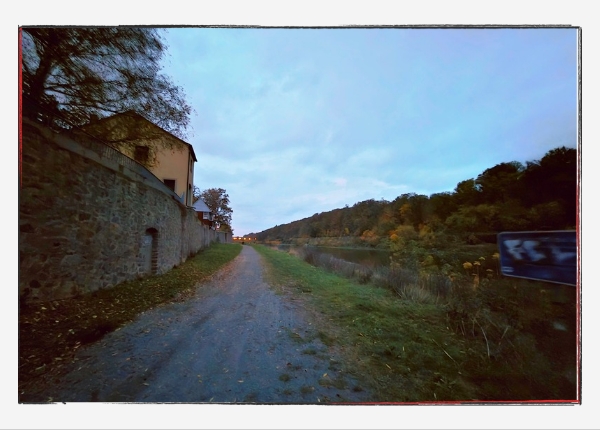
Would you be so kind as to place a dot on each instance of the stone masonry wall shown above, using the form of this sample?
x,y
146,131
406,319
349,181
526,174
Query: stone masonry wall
x,y
88,220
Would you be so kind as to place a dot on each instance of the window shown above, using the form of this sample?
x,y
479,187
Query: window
x,y
141,154
170,183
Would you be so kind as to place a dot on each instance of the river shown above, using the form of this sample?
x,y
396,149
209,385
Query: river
x,y
367,257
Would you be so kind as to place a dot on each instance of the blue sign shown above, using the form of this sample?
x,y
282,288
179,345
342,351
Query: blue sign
x,y
549,256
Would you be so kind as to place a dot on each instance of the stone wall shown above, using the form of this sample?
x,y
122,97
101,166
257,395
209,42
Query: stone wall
x,y
91,218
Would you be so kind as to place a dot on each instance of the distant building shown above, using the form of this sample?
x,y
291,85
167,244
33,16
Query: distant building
x,y
244,239
204,214
169,158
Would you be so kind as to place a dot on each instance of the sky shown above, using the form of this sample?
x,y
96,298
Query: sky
x,y
297,121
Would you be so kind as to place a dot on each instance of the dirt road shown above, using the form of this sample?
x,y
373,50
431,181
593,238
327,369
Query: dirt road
x,y
235,341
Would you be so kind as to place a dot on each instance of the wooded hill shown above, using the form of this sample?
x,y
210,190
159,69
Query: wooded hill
x,y
540,195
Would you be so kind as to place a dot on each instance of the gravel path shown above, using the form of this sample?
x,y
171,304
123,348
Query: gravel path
x,y
234,341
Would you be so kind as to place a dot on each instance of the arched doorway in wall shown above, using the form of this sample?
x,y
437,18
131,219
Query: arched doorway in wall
x,y
149,251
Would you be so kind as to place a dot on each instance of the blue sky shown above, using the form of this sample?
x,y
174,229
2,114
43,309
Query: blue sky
x,y
292,122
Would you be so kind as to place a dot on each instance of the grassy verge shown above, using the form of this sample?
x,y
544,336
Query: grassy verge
x,y
419,337
403,351
50,333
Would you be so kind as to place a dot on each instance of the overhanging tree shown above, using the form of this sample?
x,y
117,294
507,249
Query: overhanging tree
x,y
82,73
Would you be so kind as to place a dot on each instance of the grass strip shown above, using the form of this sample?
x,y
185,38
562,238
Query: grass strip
x,y
402,351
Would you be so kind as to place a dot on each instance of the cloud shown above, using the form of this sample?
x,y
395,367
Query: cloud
x,y
340,182
294,122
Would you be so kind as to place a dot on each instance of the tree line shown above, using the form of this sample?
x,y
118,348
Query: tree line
x,y
535,196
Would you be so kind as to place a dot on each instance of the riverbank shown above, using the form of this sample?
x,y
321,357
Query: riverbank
x,y
451,255
505,340
352,242
390,343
